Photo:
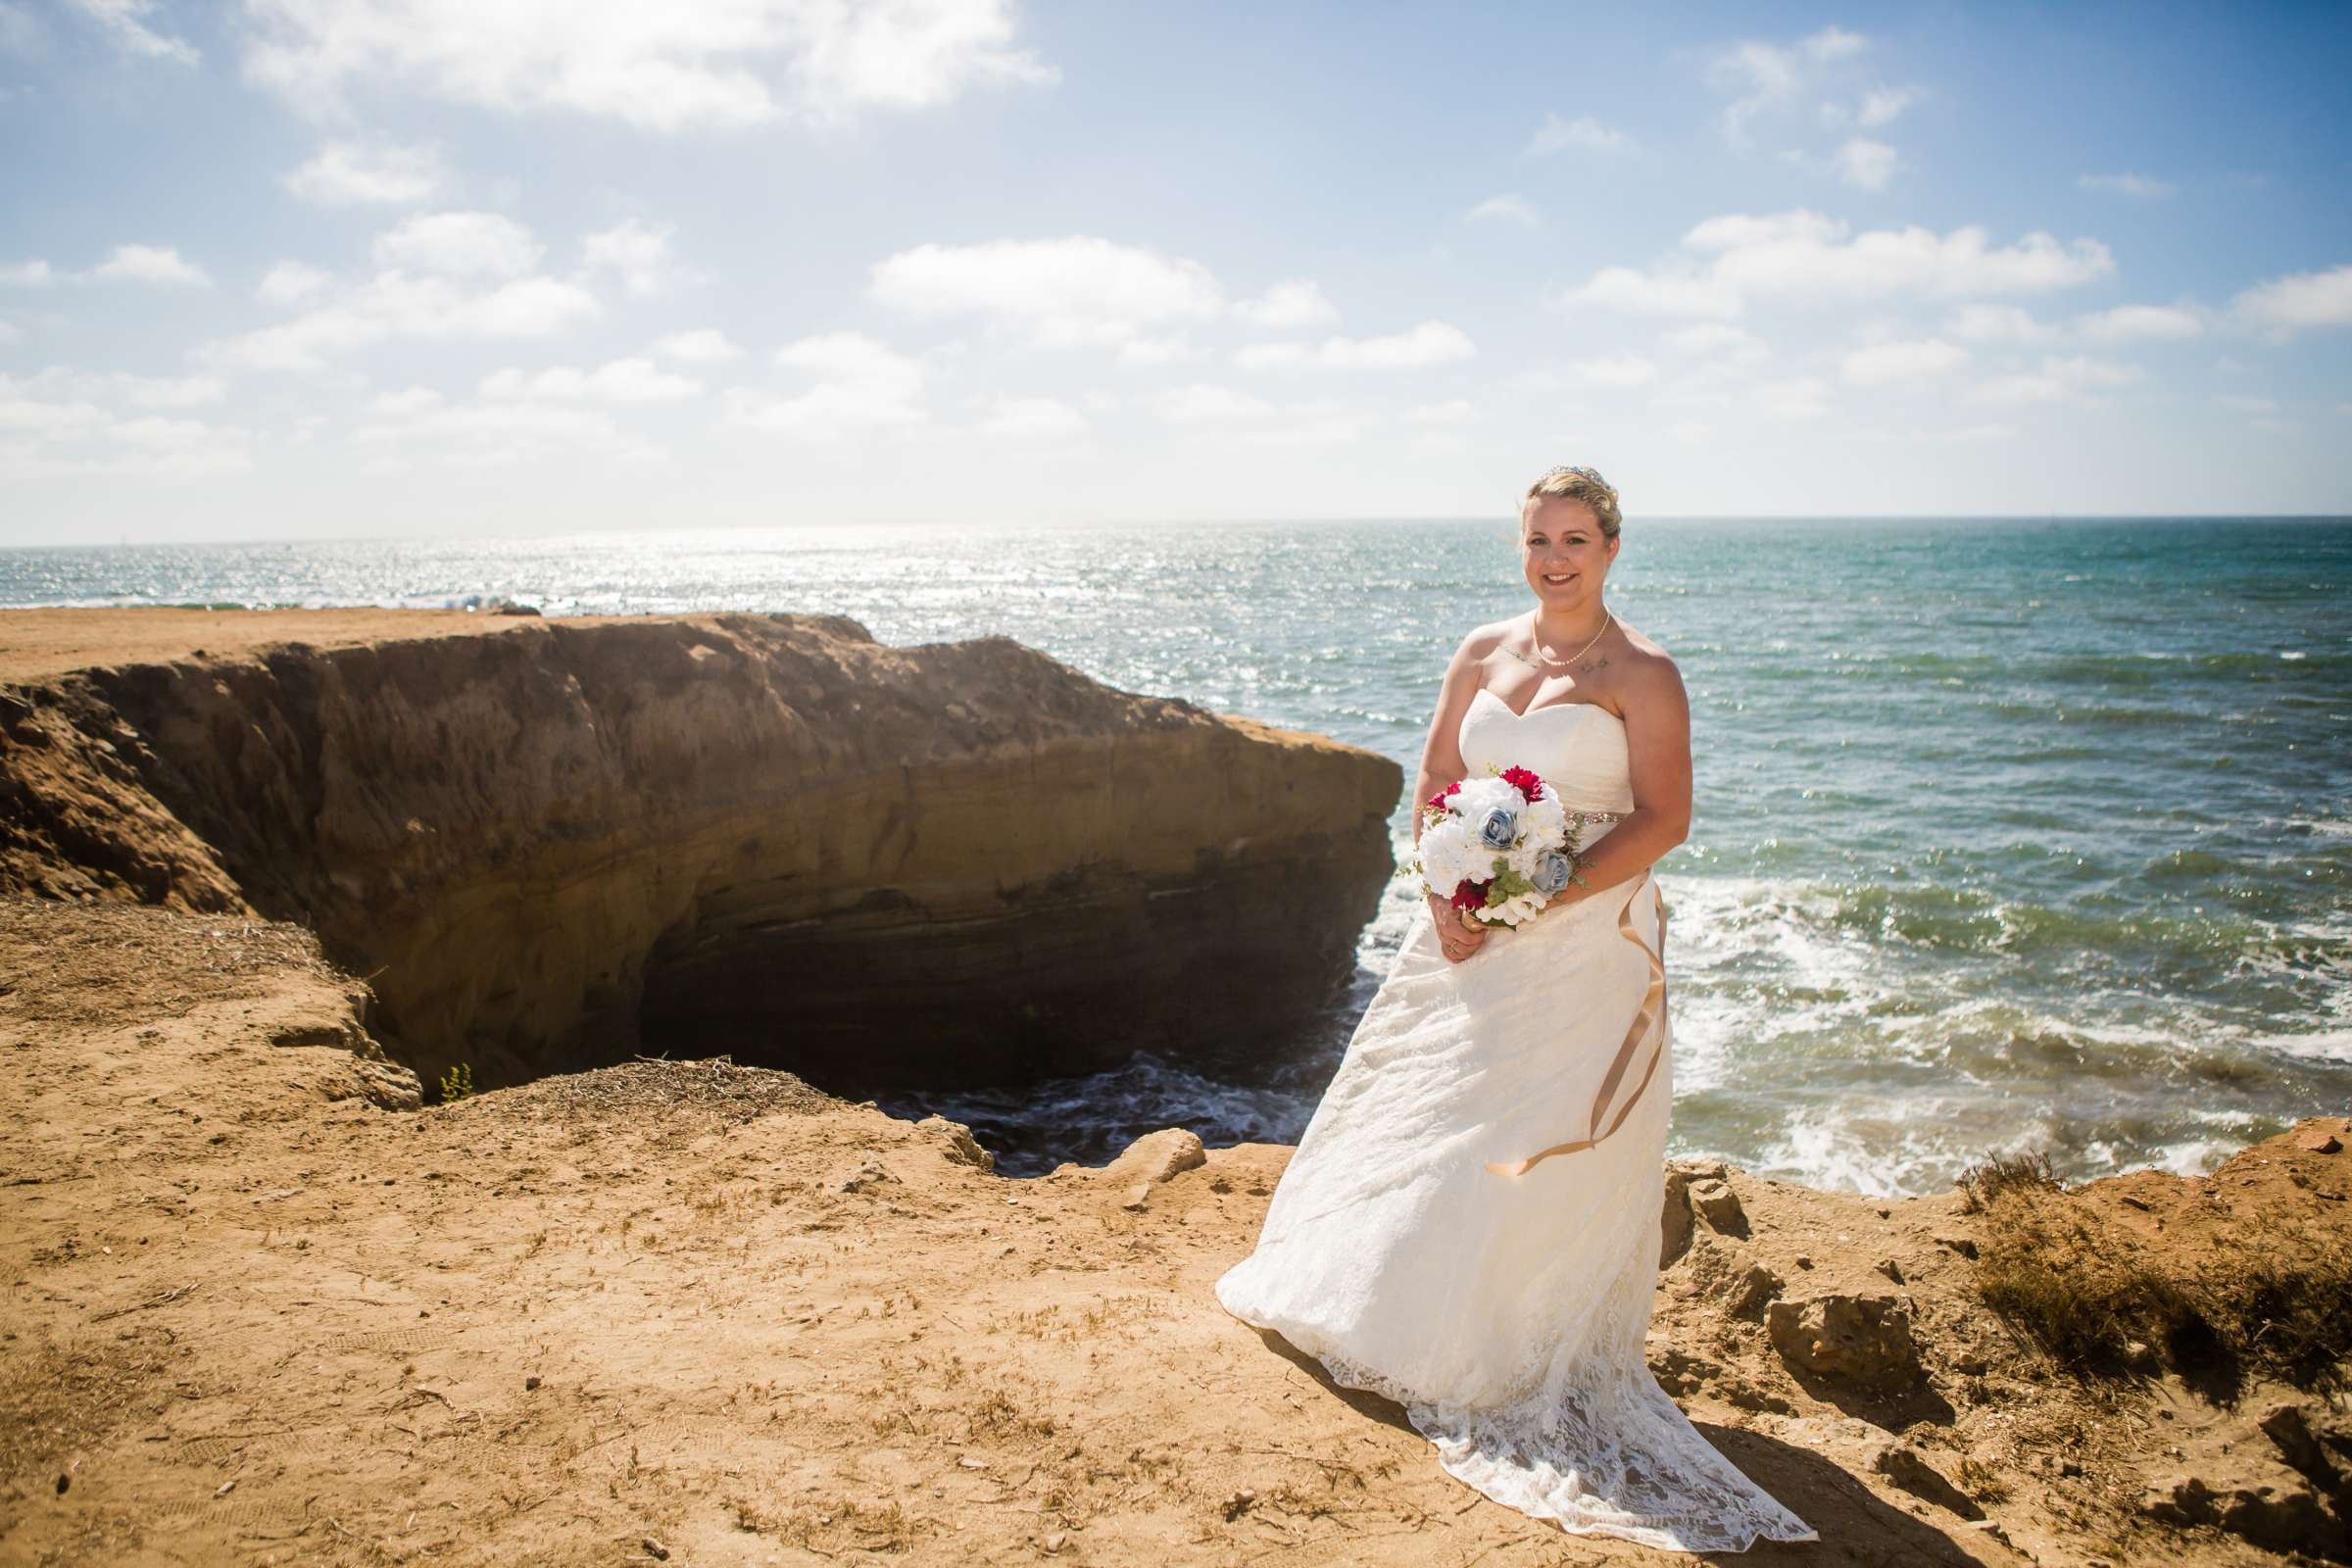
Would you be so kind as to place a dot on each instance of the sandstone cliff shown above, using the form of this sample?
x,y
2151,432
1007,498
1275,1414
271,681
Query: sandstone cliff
x,y
554,843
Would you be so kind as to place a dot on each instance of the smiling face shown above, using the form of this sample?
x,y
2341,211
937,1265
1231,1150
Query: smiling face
x,y
1562,551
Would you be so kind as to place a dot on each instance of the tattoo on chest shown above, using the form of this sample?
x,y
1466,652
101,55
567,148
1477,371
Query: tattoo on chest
x,y
1590,665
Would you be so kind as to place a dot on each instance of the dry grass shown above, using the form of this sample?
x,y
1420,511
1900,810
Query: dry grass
x,y
92,963
61,1398
712,1087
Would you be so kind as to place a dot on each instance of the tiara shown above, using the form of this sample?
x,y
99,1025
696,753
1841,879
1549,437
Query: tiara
x,y
1593,474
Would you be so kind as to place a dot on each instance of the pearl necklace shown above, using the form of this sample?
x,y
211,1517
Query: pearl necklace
x,y
1608,622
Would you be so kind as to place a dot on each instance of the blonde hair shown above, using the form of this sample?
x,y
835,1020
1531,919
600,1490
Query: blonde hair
x,y
1580,484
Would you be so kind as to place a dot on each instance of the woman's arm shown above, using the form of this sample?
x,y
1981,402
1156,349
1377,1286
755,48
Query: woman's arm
x,y
1442,753
1657,738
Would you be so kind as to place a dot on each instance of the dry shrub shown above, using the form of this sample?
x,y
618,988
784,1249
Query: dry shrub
x,y
2262,1295
2083,1293
1981,1184
2283,1297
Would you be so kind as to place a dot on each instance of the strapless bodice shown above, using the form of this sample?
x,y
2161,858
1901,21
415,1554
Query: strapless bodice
x,y
1578,748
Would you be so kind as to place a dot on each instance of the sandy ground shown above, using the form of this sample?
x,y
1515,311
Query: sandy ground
x,y
693,1314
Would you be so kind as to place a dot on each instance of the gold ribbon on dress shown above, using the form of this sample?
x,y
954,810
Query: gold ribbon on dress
x,y
1649,1020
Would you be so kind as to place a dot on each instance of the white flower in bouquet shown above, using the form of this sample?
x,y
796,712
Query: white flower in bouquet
x,y
1497,847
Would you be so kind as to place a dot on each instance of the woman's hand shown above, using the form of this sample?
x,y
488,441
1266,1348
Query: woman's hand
x,y
1456,940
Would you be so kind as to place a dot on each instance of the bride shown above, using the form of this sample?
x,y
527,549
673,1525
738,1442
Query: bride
x,y
1470,1224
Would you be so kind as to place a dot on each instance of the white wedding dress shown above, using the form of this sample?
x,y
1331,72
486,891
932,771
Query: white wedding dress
x,y
1470,1224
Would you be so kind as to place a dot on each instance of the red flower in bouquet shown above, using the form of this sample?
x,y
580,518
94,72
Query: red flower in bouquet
x,y
1439,799
1469,896
1530,787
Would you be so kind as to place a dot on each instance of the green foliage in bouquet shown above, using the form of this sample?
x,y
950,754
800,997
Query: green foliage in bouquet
x,y
1507,884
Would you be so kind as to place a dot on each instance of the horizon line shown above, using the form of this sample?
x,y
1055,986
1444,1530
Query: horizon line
x,y
476,536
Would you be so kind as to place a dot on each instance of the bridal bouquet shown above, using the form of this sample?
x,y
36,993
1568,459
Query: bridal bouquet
x,y
1497,847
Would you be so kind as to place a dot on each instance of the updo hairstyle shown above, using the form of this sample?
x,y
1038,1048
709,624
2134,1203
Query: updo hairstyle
x,y
1580,484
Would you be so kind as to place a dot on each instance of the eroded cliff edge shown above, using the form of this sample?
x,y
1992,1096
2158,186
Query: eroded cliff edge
x,y
554,842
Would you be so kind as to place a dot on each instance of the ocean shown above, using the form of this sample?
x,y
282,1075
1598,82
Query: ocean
x,y
2009,834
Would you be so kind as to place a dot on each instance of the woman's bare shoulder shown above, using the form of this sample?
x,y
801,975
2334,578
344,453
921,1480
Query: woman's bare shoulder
x,y
1647,660
1484,640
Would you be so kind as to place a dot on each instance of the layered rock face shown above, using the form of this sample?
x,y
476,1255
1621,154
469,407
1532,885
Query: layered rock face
x,y
554,843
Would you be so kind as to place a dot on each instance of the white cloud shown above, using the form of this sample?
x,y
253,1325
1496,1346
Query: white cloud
x,y
1288,307
2127,322
460,245
1732,343
351,174
10,332
664,68
1033,420
62,383
1998,324
1865,164
2236,404
1147,351
1429,343
529,306
498,434
1834,43
2059,379
1061,293
862,386
1936,435
630,380
2299,300
1804,398
1669,291
638,254
1886,364
1451,412
1803,257
290,284
1505,206
1256,422
396,304
2140,185
27,275
1622,370
1583,133
151,263
704,345
67,422
125,22
407,403
1768,77
1202,403
1310,424
1881,105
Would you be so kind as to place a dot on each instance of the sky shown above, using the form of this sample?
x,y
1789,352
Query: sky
x,y
297,269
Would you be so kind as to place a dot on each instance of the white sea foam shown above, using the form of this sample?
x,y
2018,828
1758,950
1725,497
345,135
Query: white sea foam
x,y
2318,1044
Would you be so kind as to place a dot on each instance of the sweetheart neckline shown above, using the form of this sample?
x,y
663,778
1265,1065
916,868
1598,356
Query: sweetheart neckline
x,y
1546,707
